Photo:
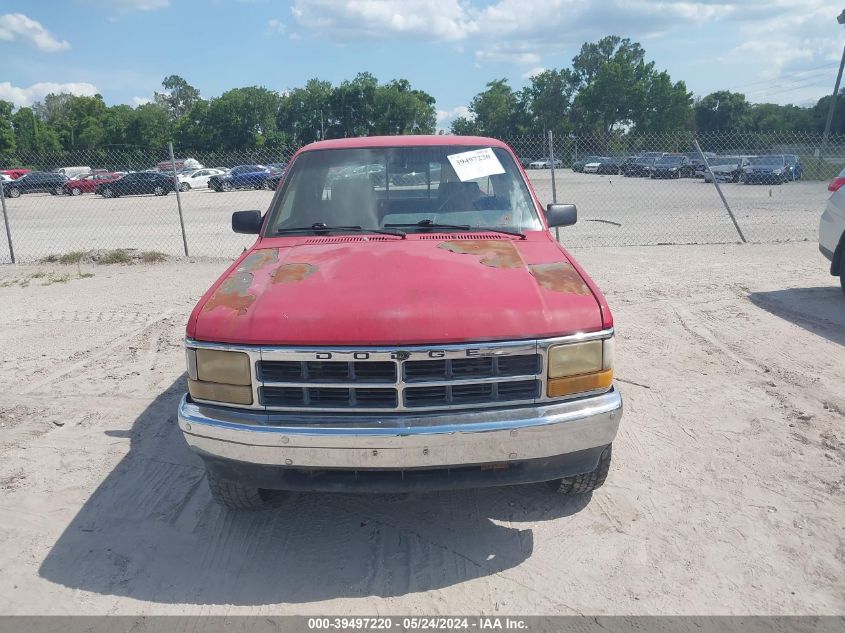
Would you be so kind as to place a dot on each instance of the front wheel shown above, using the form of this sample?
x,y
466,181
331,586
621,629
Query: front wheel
x,y
586,482
76,191
159,191
235,496
226,186
184,187
14,192
108,193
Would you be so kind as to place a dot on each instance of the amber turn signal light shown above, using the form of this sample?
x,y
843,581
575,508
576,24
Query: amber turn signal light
x,y
570,385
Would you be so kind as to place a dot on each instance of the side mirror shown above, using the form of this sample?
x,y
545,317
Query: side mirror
x,y
561,215
248,222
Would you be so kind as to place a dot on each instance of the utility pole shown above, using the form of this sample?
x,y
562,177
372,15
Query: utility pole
x,y
841,19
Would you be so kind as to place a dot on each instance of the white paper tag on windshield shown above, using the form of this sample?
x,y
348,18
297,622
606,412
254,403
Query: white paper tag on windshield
x,y
476,163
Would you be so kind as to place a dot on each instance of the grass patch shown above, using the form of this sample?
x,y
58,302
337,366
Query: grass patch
x,y
117,256
151,257
57,279
85,275
74,257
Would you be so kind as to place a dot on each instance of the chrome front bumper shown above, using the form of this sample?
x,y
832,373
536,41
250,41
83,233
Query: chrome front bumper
x,y
431,440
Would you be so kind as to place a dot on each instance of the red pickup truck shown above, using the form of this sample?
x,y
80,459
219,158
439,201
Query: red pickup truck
x,y
405,320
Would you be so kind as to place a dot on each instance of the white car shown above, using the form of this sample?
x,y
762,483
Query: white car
x,y
591,168
197,179
545,163
832,229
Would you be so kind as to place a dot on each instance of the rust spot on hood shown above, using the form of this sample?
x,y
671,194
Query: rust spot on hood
x,y
495,254
291,273
233,294
259,259
559,277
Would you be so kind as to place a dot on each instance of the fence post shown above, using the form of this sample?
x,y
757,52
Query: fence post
x,y
554,186
719,189
6,222
178,199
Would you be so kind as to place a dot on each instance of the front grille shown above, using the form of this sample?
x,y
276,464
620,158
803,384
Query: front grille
x,y
384,380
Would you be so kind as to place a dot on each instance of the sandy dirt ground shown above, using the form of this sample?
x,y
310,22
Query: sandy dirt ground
x,y
726,495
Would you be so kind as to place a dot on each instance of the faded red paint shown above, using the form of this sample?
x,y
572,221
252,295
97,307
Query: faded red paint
x,y
233,294
496,254
258,259
400,292
559,277
291,273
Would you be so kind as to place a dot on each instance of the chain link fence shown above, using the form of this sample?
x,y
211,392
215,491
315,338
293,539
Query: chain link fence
x,y
629,189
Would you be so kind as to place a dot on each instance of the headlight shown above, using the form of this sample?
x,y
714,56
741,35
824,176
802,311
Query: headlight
x,y
219,376
777,172
580,367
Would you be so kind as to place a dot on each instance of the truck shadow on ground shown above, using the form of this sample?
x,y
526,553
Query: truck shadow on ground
x,y
151,532
819,310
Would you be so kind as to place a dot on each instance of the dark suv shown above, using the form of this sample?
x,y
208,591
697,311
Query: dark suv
x,y
35,182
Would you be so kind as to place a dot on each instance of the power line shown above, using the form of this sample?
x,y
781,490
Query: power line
x,y
806,74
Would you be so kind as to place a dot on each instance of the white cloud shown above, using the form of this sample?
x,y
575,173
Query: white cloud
x,y
27,96
533,72
345,20
276,26
133,5
139,101
445,117
14,26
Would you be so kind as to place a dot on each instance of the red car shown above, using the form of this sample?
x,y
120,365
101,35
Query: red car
x,y
87,184
14,174
383,337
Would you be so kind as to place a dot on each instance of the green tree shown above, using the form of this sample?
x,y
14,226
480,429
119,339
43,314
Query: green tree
x,y
353,107
243,118
613,83
304,112
820,110
771,117
7,132
149,126
496,111
723,111
179,98
33,136
402,110
547,100
667,106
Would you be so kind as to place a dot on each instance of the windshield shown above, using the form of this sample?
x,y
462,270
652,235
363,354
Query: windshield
x,y
767,160
374,187
671,160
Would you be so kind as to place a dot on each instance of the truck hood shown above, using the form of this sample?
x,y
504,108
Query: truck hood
x,y
380,290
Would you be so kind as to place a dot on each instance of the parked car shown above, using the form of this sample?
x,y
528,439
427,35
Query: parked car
x,y
697,163
578,164
138,183
726,168
832,229
592,167
277,172
796,169
87,184
769,169
197,178
240,177
640,166
73,172
14,174
610,166
508,360
35,182
672,166
545,163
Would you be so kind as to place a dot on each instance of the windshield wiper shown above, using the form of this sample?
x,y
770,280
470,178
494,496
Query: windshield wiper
x,y
430,225
322,227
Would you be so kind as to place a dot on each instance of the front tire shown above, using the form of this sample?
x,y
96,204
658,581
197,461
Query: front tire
x,y
76,191
586,482
235,496
14,192
159,191
226,186
108,193
184,187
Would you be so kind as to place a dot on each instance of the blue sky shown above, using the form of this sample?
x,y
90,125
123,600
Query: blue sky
x,y
781,51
